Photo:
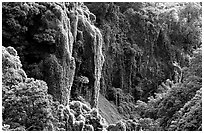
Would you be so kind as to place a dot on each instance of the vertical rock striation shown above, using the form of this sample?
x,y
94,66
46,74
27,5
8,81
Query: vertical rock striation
x,y
92,42
73,20
51,37
61,61
98,62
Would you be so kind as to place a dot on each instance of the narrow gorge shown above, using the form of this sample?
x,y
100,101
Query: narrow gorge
x,y
101,66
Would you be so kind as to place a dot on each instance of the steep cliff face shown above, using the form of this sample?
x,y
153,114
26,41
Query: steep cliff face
x,y
140,58
53,36
92,52
61,60
27,106
138,54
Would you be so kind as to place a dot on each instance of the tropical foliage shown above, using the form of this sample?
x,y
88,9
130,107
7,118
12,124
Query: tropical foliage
x,y
147,47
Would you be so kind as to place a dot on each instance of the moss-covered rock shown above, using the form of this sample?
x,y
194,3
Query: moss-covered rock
x,y
53,33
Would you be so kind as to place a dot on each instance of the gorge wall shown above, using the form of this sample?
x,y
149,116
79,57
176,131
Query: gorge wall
x,y
60,44
138,55
72,66
52,40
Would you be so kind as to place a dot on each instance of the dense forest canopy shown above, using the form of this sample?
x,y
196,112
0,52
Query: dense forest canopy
x,y
102,66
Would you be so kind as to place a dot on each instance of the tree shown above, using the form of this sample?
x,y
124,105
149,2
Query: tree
x,y
26,103
169,101
189,117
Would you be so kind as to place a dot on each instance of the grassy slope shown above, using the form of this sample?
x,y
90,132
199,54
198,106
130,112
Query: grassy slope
x,y
108,110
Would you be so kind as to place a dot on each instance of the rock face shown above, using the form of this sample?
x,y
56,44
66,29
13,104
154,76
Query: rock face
x,y
126,59
92,42
138,54
54,37
58,43
26,97
61,60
